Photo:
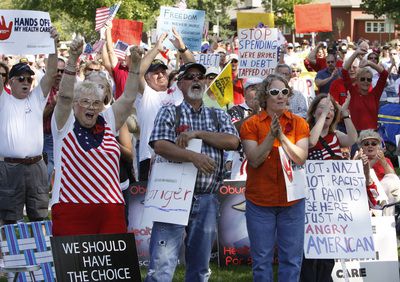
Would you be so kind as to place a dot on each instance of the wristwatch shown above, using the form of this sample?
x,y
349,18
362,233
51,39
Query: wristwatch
x,y
183,50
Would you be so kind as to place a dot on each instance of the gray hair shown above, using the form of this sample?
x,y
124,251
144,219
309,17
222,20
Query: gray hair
x,y
84,88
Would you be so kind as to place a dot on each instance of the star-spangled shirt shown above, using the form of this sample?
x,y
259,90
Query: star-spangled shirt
x,y
318,152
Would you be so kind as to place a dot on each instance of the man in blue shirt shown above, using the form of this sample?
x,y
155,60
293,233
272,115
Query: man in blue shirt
x,y
325,76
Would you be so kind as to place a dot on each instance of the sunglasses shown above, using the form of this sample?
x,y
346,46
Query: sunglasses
x,y
192,76
373,143
211,77
330,62
275,92
296,70
87,103
60,71
393,54
25,78
90,69
362,79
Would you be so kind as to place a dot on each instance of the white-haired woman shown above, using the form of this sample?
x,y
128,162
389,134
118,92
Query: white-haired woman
x,y
87,197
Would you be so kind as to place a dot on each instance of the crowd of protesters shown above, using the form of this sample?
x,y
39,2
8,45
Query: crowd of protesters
x,y
98,120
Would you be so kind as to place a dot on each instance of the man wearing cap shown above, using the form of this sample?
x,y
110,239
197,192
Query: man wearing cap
x,y
239,113
23,173
169,140
291,57
153,89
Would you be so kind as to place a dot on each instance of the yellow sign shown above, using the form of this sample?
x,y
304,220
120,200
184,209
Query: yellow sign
x,y
222,86
252,20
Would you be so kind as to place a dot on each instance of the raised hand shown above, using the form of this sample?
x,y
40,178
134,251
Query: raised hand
x,y
54,34
136,57
345,106
76,47
5,31
177,41
159,43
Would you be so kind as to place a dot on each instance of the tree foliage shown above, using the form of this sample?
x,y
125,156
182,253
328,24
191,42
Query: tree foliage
x,y
378,8
283,11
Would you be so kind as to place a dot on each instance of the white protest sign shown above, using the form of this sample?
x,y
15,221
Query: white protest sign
x,y
295,178
337,223
384,266
25,32
188,23
258,52
208,60
170,190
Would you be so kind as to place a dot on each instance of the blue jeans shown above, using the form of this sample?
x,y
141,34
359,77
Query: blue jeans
x,y
48,149
166,240
283,225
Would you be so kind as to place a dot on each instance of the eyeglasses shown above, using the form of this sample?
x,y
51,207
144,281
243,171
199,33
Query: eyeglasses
x,y
373,143
393,54
87,103
330,62
192,76
25,78
275,92
362,79
60,71
296,70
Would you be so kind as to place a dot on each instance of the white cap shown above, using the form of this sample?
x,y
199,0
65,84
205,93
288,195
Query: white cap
x,y
233,56
252,81
290,45
296,44
213,70
30,58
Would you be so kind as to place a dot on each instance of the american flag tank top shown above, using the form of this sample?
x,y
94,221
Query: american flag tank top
x,y
90,175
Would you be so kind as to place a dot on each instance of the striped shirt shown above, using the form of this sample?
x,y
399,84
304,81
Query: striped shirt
x,y
190,120
318,152
87,167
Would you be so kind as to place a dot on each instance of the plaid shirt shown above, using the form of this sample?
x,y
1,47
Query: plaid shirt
x,y
190,120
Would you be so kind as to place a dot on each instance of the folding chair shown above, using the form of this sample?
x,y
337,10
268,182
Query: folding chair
x,y
26,249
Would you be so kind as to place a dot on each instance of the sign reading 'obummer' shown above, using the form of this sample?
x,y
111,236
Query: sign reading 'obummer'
x,y
109,257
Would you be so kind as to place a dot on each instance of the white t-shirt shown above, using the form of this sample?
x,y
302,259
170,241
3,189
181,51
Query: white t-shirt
x,y
59,135
21,124
147,107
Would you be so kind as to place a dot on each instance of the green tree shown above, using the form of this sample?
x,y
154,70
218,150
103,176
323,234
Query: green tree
x,y
378,8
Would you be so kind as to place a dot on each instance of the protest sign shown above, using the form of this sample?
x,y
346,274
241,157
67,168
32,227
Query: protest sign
x,y
314,17
253,20
128,31
337,223
258,52
170,189
208,60
233,240
188,23
25,32
101,257
384,266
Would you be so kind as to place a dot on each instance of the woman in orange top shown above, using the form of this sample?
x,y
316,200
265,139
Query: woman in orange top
x,y
270,217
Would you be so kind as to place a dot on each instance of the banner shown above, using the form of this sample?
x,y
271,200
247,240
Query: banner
x,y
313,18
254,20
170,189
384,266
337,223
222,86
25,32
128,31
99,257
208,60
188,23
258,52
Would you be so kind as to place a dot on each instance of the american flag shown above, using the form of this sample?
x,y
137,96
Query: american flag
x,y
104,14
120,49
88,49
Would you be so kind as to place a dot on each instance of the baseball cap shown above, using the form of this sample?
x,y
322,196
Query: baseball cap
x,y
290,45
212,70
296,44
252,81
233,56
184,68
19,69
155,64
205,47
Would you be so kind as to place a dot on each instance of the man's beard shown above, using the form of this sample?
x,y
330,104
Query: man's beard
x,y
196,95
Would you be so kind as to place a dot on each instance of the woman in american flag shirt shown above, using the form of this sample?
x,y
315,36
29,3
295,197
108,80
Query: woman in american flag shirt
x,y
87,197
325,143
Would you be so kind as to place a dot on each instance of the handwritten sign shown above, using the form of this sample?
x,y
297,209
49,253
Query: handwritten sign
x,y
100,257
258,52
384,266
170,190
337,223
208,60
188,23
25,32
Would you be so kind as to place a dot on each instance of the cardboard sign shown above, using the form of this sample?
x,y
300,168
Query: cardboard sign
x,y
128,31
188,23
337,223
254,20
100,257
170,189
295,178
258,52
384,266
25,32
313,18
208,60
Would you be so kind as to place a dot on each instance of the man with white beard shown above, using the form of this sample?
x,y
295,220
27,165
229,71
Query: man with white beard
x,y
173,128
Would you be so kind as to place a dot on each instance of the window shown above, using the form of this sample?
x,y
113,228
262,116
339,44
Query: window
x,y
377,27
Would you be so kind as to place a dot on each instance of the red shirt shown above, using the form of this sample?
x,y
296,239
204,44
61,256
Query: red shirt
x,y
320,64
364,108
238,90
120,74
379,170
338,91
